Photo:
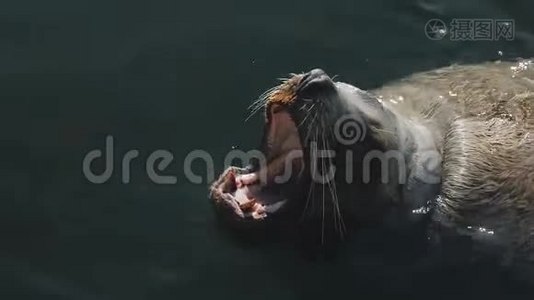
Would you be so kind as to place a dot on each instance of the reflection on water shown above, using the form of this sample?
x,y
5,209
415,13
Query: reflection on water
x,y
481,230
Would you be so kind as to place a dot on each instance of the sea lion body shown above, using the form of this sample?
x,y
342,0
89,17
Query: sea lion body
x,y
461,140
484,121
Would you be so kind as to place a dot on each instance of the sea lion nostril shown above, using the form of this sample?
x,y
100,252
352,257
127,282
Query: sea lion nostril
x,y
313,74
315,81
317,73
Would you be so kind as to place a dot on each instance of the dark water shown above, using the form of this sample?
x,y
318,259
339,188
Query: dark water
x,y
178,76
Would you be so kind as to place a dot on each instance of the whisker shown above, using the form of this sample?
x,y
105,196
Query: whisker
x,y
251,114
310,126
323,215
342,226
307,115
311,190
254,110
335,199
335,204
263,97
330,186
310,194
260,102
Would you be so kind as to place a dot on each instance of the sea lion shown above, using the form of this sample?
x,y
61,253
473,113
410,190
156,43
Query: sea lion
x,y
452,147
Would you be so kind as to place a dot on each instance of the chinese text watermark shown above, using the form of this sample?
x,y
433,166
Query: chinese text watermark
x,y
471,29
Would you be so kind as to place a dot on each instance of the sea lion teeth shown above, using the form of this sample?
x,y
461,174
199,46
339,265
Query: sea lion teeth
x,y
246,179
246,206
258,212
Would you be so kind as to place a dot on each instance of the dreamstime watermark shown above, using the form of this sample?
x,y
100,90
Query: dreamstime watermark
x,y
349,130
471,29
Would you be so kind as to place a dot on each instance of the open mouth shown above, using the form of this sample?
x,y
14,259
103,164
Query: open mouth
x,y
257,194
246,201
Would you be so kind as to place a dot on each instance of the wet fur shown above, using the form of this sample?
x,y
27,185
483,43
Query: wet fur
x,y
486,115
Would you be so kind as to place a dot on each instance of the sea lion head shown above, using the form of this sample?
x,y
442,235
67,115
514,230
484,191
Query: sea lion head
x,y
310,122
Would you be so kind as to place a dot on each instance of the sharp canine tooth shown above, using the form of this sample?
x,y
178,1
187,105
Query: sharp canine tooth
x,y
247,179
